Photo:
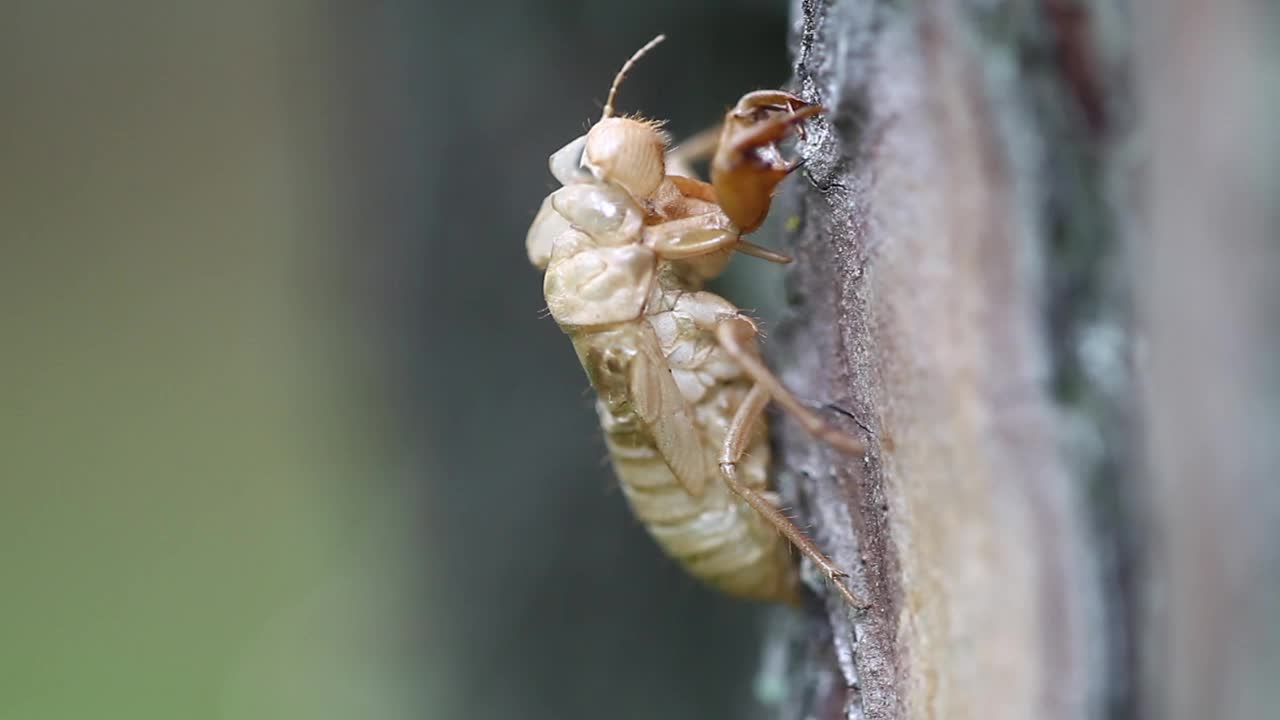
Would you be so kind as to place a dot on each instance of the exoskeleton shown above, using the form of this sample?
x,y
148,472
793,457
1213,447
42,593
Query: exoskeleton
x,y
627,247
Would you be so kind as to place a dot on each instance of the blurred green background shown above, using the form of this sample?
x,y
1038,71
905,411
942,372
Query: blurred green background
x,y
283,435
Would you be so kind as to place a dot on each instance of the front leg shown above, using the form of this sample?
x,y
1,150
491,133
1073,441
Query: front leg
x,y
748,165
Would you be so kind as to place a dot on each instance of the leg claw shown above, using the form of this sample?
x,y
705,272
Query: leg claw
x,y
748,164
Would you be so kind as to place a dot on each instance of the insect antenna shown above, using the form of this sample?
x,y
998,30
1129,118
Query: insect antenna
x,y
626,67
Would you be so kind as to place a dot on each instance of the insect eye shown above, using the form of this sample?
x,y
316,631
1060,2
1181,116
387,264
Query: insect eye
x,y
566,163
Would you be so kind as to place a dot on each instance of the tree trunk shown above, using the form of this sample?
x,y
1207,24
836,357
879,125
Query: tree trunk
x,y
1050,309
920,312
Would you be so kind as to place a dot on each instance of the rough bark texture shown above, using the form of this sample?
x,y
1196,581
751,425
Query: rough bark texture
x,y
920,312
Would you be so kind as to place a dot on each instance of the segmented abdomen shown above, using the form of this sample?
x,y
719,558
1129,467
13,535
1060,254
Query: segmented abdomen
x,y
717,537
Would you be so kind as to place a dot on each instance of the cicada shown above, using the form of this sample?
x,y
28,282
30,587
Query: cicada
x,y
628,244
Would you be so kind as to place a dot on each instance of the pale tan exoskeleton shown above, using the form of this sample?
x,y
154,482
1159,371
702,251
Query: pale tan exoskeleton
x,y
627,248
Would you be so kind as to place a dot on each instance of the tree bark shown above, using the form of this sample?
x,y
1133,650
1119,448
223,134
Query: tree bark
x,y
920,310
1036,250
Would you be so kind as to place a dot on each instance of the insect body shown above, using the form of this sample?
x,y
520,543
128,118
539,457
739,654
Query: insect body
x,y
627,248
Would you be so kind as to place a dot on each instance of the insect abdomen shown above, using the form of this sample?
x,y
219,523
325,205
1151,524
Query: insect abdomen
x,y
715,537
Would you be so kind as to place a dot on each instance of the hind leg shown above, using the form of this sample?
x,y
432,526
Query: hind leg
x,y
735,443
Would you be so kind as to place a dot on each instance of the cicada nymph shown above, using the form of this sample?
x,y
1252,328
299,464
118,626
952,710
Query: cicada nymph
x,y
627,246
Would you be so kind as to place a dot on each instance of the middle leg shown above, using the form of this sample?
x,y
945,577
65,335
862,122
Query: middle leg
x,y
706,232
737,335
